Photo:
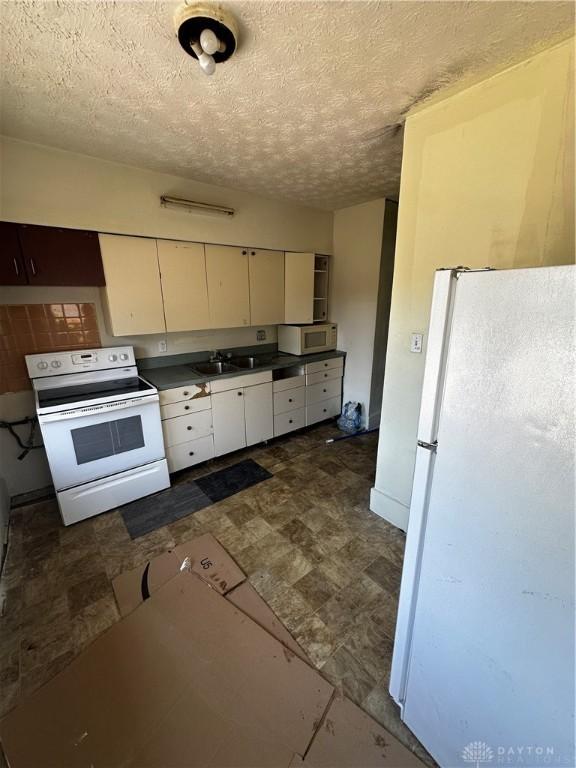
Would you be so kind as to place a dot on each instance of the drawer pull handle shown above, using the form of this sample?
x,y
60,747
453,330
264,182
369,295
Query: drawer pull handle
x,y
325,375
289,421
289,399
186,407
324,410
239,394
323,390
188,428
325,365
191,453
185,394
244,253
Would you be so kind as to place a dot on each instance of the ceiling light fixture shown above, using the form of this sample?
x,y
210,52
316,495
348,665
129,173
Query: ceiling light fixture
x,y
207,33
194,207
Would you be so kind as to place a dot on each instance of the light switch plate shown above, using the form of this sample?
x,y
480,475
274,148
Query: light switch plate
x,y
416,342
162,346
261,335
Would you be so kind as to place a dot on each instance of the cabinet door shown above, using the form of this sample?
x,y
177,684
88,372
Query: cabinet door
x,y
55,256
258,413
266,270
184,287
228,421
228,291
133,293
299,288
12,270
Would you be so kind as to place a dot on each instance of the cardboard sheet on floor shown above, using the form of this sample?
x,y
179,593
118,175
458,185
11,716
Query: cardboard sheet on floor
x,y
348,738
208,558
203,555
249,601
187,679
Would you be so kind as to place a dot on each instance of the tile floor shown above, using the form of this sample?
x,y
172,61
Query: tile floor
x,y
328,567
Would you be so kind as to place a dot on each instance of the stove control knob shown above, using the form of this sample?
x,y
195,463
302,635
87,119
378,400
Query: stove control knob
x,y
112,358
56,364
42,365
123,356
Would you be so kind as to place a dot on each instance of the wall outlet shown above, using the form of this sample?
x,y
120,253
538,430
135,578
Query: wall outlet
x,y
261,335
416,342
162,346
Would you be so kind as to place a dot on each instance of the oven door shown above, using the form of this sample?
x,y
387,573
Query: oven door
x,y
97,441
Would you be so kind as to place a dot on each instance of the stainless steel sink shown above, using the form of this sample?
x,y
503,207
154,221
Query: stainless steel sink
x,y
213,369
250,362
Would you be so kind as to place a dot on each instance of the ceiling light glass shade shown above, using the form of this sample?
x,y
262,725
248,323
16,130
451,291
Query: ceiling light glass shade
x,y
209,42
207,63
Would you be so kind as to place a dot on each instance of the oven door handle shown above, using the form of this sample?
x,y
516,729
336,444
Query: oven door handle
x,y
92,410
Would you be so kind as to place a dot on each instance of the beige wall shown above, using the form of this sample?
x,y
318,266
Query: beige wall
x,y
487,179
355,274
41,185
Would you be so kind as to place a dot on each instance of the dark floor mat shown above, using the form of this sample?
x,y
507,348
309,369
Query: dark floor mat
x,y
226,482
152,512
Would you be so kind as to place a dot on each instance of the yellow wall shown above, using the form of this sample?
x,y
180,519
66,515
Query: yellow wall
x,y
487,179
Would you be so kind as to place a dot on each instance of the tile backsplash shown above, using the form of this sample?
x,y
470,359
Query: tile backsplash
x,y
30,328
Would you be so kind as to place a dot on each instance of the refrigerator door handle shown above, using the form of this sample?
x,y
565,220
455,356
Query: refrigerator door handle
x,y
429,446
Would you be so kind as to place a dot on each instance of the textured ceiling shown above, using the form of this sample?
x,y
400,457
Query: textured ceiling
x,y
297,113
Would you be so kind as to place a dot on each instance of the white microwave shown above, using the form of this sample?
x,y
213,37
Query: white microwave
x,y
306,339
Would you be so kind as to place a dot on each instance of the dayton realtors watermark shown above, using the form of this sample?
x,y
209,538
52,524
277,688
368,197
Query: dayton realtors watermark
x,y
478,754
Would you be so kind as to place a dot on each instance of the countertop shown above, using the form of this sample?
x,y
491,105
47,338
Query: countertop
x,y
173,376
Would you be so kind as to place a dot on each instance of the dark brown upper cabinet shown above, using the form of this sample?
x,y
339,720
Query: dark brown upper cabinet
x,y
56,256
12,270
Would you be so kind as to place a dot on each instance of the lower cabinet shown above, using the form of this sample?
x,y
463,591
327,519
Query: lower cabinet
x,y
186,415
244,415
229,421
310,398
190,453
225,415
258,412
288,422
184,428
326,409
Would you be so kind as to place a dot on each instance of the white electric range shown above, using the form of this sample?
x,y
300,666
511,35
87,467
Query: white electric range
x,y
101,427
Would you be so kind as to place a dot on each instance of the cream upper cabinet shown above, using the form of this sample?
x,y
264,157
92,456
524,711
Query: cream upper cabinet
x,y
299,288
133,295
228,286
266,269
184,286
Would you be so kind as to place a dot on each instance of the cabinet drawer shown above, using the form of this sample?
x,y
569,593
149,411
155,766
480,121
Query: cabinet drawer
x,y
293,382
289,400
185,428
316,378
286,422
239,382
323,365
324,410
188,454
323,391
185,407
198,392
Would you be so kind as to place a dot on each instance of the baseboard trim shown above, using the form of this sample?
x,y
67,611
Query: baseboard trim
x,y
32,497
390,509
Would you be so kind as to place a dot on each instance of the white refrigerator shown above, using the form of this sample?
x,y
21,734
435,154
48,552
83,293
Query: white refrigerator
x,y
483,666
